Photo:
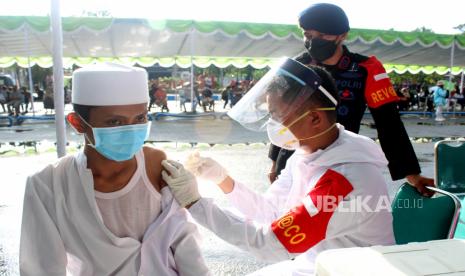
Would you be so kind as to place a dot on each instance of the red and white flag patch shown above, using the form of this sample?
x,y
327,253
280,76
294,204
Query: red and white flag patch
x,y
305,225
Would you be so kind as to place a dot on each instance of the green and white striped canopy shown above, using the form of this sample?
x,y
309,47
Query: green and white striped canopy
x,y
27,40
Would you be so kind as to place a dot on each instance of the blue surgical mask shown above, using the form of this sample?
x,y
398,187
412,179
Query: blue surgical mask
x,y
120,143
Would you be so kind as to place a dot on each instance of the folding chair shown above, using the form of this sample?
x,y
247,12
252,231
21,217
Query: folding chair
x,y
417,218
449,173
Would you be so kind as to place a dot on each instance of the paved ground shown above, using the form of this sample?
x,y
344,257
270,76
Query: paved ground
x,y
246,163
213,128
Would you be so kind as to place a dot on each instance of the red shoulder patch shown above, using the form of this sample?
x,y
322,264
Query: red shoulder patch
x,y
305,225
378,87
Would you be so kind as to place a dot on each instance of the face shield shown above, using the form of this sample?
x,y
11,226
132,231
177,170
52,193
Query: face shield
x,y
278,95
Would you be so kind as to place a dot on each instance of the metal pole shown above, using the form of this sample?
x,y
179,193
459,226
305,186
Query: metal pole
x,y
221,80
452,54
192,69
461,82
29,72
57,42
176,90
460,90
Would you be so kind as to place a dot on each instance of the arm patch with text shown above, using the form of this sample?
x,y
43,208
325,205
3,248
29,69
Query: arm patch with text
x,y
305,225
378,87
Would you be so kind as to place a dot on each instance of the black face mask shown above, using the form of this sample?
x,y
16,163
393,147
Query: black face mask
x,y
441,86
321,49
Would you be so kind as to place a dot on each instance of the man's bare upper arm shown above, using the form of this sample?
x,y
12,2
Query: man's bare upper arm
x,y
153,158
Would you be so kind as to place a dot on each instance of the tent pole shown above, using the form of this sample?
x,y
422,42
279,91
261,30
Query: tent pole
x,y
452,54
461,82
176,93
193,107
221,80
460,91
29,72
57,42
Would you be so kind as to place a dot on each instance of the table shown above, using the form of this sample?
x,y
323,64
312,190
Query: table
x,y
441,257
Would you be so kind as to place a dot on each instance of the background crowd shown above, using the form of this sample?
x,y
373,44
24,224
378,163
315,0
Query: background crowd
x,y
211,90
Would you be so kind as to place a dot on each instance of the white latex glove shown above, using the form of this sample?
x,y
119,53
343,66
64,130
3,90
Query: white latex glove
x,y
181,182
205,168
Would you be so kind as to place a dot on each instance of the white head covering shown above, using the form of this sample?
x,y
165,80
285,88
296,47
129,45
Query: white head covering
x,y
110,84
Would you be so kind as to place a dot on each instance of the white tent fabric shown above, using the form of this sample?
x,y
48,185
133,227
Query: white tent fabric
x,y
146,42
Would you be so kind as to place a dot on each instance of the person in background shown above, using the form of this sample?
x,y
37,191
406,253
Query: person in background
x,y
49,102
460,97
16,98
27,98
39,92
425,101
404,99
185,96
361,81
153,87
161,99
3,97
237,93
225,96
440,101
208,104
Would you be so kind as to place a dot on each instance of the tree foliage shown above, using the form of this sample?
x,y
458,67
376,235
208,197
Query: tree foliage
x,y
461,28
408,79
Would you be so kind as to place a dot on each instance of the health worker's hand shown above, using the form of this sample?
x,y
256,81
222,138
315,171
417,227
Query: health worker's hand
x,y
205,168
182,183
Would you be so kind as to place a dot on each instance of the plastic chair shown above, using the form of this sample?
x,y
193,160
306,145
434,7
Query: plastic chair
x,y
449,174
417,218
449,170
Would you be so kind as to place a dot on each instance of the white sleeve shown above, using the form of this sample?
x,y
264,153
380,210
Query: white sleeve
x,y
256,239
42,251
365,214
263,208
187,253
295,232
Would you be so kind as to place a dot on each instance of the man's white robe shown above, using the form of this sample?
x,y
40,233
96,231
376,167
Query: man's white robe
x,y
62,231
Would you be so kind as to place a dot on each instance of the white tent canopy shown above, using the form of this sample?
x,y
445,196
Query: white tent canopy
x,y
28,40
169,42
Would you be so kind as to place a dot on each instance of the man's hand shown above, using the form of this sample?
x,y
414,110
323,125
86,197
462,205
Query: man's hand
x,y
420,182
272,175
181,182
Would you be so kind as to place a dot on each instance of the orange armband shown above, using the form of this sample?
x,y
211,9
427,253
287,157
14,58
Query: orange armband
x,y
378,87
305,225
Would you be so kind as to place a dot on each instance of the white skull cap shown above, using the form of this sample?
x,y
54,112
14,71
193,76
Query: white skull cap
x,y
110,84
